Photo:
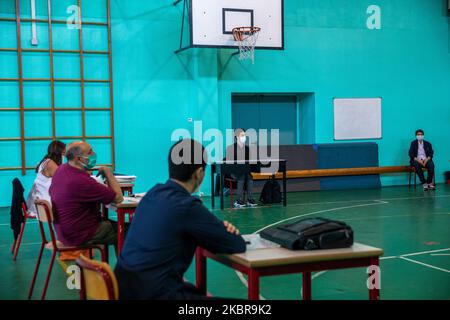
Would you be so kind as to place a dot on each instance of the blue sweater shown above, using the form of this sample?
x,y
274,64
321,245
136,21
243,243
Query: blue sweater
x,y
160,244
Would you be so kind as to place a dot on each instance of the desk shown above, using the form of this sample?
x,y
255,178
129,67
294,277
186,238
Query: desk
x,y
126,207
231,167
256,263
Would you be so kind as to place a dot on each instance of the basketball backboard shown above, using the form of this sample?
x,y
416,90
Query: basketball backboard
x,y
212,21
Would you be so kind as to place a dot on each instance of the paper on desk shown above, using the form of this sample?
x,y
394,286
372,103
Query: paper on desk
x,y
130,200
256,242
125,177
140,195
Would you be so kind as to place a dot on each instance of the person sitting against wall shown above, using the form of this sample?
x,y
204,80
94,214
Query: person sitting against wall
x,y
45,171
421,156
235,152
168,225
76,199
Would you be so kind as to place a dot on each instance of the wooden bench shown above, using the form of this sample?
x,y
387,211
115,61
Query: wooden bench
x,y
313,173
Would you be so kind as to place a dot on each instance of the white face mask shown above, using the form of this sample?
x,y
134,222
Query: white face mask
x,y
419,138
242,139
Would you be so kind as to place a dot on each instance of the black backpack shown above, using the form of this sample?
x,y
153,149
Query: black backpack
x,y
311,234
271,192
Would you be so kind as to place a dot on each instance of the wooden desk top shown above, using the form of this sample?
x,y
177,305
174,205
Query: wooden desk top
x,y
268,257
128,203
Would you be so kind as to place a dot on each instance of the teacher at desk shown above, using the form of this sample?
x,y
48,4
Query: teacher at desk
x,y
239,151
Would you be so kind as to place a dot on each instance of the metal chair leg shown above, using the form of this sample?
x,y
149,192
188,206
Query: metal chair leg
x,y
19,240
103,253
231,193
106,254
415,180
49,273
13,246
36,270
409,181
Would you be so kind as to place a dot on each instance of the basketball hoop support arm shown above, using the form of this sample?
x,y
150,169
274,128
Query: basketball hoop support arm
x,y
185,4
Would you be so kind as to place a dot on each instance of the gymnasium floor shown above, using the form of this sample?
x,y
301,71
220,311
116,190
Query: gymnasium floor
x,y
411,226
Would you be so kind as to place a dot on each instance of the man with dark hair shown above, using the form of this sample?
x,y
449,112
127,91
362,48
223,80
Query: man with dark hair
x,y
167,227
238,151
421,156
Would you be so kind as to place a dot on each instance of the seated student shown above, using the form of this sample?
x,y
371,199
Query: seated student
x,y
76,199
239,151
167,227
45,171
421,156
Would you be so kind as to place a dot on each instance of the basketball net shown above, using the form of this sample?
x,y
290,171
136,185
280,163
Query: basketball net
x,y
246,37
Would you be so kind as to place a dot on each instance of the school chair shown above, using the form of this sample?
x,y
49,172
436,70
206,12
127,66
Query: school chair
x,y
20,210
45,215
231,182
97,280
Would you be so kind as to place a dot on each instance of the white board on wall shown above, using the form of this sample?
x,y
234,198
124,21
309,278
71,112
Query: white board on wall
x,y
358,118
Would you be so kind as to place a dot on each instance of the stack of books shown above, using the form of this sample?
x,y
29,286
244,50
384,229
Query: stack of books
x,y
124,179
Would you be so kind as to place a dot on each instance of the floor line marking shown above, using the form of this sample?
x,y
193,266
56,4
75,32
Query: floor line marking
x,y
321,211
8,224
334,202
22,244
30,243
393,216
423,252
318,274
414,254
425,264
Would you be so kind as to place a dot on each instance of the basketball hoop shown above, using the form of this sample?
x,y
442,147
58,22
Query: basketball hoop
x,y
246,38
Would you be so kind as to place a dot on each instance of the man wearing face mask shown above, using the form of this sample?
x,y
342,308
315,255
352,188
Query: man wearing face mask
x,y
240,151
76,199
168,225
421,156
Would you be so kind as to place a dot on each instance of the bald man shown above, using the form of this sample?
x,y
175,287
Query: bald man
x,y
76,199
